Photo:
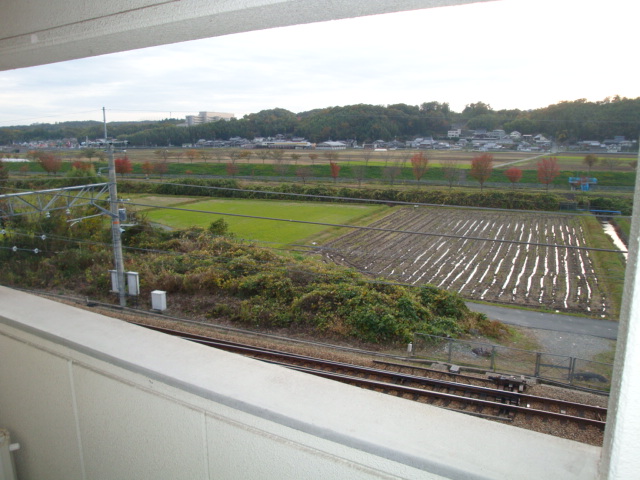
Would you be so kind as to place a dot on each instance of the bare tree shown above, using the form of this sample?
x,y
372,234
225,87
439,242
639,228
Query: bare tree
x,y
303,173
450,170
204,154
263,154
611,162
391,173
359,173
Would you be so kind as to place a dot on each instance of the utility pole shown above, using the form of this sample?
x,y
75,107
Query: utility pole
x,y
115,219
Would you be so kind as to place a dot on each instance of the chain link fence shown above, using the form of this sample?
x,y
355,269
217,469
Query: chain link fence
x,y
495,358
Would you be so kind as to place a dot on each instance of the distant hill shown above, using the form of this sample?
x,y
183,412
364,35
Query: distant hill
x,y
565,121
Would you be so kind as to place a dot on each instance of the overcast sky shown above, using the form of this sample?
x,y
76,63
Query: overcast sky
x,y
510,54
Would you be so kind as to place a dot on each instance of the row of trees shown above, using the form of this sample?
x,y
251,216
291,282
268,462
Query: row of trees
x,y
565,122
481,170
481,166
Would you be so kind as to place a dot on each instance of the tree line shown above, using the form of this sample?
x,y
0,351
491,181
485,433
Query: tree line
x,y
567,121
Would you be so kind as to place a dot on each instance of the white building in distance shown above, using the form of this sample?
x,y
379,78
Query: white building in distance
x,y
206,117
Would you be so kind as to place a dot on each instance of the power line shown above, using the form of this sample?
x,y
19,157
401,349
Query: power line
x,y
372,200
380,229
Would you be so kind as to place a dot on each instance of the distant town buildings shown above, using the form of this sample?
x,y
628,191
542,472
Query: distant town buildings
x,y
206,117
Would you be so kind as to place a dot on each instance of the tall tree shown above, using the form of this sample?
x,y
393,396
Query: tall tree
x,y
263,153
232,169
277,154
303,173
514,174
548,170
590,161
233,154
161,168
192,154
123,165
4,171
147,168
335,170
49,162
481,168
359,173
162,154
450,170
611,162
245,155
204,154
419,165
89,153
391,172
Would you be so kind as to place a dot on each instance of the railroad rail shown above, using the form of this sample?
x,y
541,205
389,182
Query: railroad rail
x,y
484,401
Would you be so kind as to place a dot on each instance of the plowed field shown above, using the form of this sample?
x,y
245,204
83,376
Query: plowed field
x,y
504,271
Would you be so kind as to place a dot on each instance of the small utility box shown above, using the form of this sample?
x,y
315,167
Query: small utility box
x,y
114,281
159,300
133,282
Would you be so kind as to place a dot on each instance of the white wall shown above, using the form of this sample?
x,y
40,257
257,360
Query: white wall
x,y
90,397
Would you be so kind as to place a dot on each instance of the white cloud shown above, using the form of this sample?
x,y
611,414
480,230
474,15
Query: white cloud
x,y
510,54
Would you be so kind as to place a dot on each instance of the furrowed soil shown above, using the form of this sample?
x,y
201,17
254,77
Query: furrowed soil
x,y
517,258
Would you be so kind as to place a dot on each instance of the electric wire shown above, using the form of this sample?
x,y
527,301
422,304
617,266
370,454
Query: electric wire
x,y
317,249
360,227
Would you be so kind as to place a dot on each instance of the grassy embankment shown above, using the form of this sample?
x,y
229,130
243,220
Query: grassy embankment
x,y
220,279
609,266
376,166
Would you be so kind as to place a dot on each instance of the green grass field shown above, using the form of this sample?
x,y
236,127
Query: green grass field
x,y
278,232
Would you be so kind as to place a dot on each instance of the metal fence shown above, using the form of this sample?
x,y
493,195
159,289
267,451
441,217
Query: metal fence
x,y
495,358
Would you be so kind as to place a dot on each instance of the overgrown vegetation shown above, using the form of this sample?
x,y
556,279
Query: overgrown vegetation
x,y
220,278
611,263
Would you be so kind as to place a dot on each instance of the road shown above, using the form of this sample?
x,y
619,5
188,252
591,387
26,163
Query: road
x,y
549,321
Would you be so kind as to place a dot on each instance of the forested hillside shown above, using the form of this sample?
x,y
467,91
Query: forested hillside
x,y
567,121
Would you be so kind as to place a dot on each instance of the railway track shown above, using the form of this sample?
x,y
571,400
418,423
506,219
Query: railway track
x,y
500,398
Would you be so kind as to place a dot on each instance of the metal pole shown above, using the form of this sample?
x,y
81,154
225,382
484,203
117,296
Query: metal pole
x,y
115,220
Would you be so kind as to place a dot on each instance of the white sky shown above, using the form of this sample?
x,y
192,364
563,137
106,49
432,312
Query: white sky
x,y
510,54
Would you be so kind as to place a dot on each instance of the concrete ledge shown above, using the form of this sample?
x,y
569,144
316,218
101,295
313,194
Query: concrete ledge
x,y
387,435
48,31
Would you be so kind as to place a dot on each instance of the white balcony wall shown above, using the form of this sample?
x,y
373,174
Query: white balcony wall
x,y
91,397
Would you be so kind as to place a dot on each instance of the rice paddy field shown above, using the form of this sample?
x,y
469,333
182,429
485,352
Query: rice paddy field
x,y
238,214
517,258
525,259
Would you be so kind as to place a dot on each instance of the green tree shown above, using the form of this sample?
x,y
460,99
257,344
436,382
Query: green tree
x,y
590,161
89,153
219,227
